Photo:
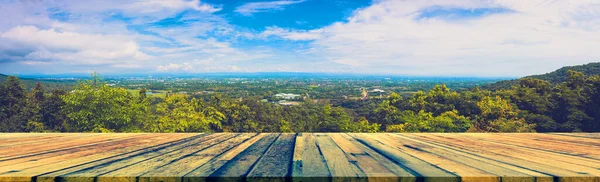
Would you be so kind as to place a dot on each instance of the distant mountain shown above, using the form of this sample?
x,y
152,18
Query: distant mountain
x,y
3,77
560,75
48,84
554,77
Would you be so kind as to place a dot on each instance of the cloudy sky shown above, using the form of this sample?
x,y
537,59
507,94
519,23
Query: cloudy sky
x,y
402,37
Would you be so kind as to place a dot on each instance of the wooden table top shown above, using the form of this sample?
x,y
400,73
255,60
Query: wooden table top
x,y
299,157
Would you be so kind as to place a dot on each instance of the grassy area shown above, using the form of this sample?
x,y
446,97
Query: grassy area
x,y
155,93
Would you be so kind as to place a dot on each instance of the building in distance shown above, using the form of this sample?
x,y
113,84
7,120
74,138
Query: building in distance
x,y
286,96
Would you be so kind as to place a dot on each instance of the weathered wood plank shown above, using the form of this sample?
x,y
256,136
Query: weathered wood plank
x,y
156,147
60,138
539,155
29,163
422,169
508,156
89,173
403,174
237,168
173,171
276,163
28,172
346,145
297,157
585,148
508,173
582,135
202,172
80,142
12,136
308,163
373,169
582,141
132,172
338,163
52,157
19,141
465,172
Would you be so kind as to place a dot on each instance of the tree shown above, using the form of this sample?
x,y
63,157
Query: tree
x,y
387,114
541,86
592,104
440,99
13,107
33,110
397,101
575,79
3,107
543,123
418,101
335,119
237,116
95,106
533,99
178,114
363,126
395,128
142,93
425,122
53,116
497,115
569,103
451,121
284,126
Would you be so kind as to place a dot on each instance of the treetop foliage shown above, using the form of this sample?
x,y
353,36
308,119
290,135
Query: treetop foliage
x,y
556,77
93,106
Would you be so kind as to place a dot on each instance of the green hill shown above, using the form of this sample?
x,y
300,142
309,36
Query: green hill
x,y
560,75
48,84
554,77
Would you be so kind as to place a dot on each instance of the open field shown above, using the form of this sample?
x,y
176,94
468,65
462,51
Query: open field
x,y
155,93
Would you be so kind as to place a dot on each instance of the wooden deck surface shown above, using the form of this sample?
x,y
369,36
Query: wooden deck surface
x,y
300,157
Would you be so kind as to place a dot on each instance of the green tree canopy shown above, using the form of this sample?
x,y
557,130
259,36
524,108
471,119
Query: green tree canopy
x,y
95,106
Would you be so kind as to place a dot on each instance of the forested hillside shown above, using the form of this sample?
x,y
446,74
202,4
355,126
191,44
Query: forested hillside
x,y
93,106
562,74
555,77
49,85
3,77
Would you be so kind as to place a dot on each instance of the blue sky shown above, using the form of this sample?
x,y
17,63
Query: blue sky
x,y
399,37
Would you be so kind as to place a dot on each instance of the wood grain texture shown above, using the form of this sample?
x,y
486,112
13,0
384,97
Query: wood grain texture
x,y
506,157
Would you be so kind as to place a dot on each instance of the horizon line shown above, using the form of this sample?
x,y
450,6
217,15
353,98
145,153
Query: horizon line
x,y
287,73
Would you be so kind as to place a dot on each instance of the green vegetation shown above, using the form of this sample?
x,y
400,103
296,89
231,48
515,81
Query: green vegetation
x,y
49,83
94,106
155,93
333,88
555,77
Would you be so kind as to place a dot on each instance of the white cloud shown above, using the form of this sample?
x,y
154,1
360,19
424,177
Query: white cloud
x,y
256,7
72,47
175,67
199,66
94,12
152,6
350,62
389,37
29,36
291,34
35,63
